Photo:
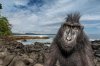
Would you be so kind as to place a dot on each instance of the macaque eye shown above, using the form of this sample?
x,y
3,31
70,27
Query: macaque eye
x,y
67,27
75,28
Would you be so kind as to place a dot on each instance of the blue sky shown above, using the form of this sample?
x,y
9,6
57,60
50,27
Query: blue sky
x,y
46,16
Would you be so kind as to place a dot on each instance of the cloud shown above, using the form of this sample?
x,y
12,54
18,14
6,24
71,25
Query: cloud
x,y
91,17
25,24
20,2
46,16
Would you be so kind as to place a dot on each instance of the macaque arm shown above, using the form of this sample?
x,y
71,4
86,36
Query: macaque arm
x,y
51,57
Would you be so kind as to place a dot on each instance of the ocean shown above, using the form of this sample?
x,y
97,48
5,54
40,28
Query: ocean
x,y
51,37
32,41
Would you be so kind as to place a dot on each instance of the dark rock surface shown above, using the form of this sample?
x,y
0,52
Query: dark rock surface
x,y
14,53
96,48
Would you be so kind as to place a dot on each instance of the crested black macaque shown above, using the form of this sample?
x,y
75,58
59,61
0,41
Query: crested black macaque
x,y
71,46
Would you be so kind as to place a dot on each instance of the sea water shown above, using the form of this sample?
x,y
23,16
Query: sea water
x,y
32,41
51,37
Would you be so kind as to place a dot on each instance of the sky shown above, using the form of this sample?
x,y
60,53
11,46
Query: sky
x,y
46,16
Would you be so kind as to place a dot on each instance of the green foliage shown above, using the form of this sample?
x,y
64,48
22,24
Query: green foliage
x,y
5,27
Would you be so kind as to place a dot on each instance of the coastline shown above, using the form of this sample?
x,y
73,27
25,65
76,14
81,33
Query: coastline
x,y
32,38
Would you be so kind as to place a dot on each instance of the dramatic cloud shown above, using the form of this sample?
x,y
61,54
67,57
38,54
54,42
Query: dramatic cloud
x,y
46,16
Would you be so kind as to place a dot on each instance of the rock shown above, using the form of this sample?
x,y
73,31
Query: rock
x,y
96,46
7,60
34,56
97,55
38,64
98,59
3,54
1,62
14,53
97,51
96,41
17,61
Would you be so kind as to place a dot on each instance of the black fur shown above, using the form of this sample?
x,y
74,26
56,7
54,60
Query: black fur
x,y
79,53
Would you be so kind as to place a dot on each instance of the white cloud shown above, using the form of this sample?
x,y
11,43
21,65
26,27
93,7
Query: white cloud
x,y
23,22
90,17
91,25
27,21
20,2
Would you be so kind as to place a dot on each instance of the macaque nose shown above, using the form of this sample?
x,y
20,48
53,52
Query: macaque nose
x,y
69,37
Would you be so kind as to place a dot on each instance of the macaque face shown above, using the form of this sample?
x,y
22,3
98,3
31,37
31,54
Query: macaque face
x,y
70,34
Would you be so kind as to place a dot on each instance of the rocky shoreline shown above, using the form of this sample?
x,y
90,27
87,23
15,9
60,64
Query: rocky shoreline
x,y
14,53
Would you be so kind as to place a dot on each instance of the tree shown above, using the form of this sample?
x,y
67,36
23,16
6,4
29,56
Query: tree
x,y
0,6
0,9
5,27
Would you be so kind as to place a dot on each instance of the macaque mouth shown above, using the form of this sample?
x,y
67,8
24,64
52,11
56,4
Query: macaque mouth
x,y
66,46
